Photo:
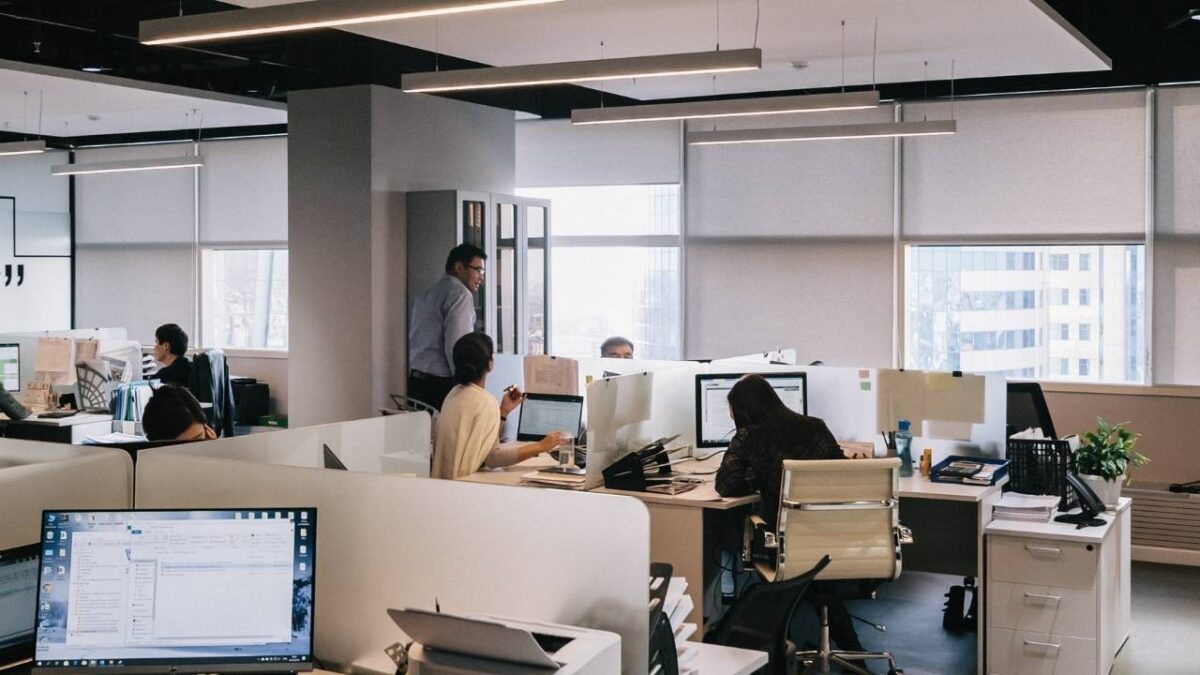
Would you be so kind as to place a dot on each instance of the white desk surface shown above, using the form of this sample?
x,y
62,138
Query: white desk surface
x,y
719,660
920,487
1056,530
512,476
73,420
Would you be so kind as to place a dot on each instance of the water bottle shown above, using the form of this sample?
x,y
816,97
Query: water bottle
x,y
904,448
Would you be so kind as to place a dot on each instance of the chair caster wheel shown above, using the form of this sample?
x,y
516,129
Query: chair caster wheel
x,y
896,671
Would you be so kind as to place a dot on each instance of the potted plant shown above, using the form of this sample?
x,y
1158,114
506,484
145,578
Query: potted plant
x,y
1104,457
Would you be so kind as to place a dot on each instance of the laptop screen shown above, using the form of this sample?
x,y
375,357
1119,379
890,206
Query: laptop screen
x,y
183,591
544,413
18,596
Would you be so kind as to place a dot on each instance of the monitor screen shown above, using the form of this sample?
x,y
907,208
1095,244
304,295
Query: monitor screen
x,y
714,425
10,367
182,591
544,413
1026,409
18,597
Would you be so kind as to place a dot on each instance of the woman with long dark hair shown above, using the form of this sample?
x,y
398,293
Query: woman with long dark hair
x,y
468,429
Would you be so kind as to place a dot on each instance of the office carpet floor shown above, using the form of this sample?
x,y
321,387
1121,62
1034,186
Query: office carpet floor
x,y
1165,608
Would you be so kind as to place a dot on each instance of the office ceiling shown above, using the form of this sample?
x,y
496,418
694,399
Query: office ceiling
x,y
998,46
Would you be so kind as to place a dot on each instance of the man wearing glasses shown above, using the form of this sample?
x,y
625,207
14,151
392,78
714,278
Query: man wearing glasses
x,y
442,314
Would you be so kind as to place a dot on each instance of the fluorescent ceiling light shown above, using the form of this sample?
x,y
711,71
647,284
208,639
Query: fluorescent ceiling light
x,y
305,16
742,107
583,71
128,165
823,133
22,148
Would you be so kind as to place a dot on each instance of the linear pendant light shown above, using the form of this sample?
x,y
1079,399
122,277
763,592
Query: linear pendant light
x,y
583,71
742,107
821,133
128,165
305,16
22,148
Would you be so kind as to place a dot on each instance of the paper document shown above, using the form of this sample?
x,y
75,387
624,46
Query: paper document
x,y
114,437
551,375
682,609
675,590
86,350
684,632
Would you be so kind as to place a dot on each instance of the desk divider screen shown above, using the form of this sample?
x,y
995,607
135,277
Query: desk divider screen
x,y
35,476
395,542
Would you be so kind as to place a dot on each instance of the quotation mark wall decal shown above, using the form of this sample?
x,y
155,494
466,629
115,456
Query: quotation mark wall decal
x,y
8,275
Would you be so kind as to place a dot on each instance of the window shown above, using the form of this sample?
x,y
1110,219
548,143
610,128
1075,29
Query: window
x,y
1085,262
615,268
244,298
1060,262
955,318
1085,366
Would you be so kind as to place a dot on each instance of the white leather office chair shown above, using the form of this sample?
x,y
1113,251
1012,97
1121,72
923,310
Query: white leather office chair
x,y
847,509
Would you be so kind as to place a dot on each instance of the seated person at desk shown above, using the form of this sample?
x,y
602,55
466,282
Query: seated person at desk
x,y
468,430
769,432
170,345
616,347
173,414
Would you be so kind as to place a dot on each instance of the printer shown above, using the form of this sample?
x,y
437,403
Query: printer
x,y
448,644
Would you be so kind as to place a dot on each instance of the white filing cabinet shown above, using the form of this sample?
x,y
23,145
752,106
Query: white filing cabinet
x,y
1057,597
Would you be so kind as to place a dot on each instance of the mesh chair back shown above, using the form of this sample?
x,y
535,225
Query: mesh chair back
x,y
844,508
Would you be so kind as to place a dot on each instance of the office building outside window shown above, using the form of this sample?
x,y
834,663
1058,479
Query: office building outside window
x,y
244,298
967,308
616,268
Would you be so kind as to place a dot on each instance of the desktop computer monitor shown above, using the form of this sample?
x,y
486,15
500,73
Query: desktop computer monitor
x,y
714,424
10,367
545,413
179,591
1027,409
18,597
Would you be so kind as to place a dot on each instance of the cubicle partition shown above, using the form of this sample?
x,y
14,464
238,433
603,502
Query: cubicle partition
x,y
28,343
394,542
46,476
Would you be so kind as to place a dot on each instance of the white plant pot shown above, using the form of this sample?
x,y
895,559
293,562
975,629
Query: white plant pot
x,y
1109,493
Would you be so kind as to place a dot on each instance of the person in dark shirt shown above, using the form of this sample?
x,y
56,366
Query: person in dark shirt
x,y
170,345
768,432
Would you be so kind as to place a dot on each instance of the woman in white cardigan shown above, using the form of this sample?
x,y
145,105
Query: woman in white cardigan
x,y
468,428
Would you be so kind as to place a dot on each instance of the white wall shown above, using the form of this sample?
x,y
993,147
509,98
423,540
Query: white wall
x,y
353,153
34,225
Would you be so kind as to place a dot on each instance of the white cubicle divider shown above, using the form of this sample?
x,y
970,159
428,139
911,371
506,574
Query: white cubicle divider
x,y
394,542
397,443
28,343
47,476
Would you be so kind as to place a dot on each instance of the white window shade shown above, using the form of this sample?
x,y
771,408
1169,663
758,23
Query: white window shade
x,y
1177,237
243,192
138,207
553,153
137,287
1071,166
834,188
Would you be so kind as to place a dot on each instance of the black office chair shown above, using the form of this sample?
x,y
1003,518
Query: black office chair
x,y
761,618
210,384
664,659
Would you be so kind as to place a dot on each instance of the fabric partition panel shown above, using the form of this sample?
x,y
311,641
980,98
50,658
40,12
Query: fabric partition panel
x,y
395,542
1068,166
795,293
1176,266
832,188
553,153
45,476
243,192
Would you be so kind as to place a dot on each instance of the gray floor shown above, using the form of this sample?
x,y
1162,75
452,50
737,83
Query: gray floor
x,y
1164,641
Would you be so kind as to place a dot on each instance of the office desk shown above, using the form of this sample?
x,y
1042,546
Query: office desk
x,y
948,521
71,429
683,528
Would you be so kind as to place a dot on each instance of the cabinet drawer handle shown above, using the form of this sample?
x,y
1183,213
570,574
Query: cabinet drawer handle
x,y
1031,643
1054,550
1040,596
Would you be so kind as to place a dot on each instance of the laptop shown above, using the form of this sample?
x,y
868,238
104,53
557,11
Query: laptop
x,y
18,596
179,591
542,414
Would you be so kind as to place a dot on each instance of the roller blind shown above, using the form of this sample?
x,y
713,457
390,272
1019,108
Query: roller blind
x,y
1069,166
833,188
138,288
243,192
1177,237
137,207
553,153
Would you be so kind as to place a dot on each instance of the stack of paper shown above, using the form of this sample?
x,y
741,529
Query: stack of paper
x,y
678,604
557,480
985,475
1017,506
114,437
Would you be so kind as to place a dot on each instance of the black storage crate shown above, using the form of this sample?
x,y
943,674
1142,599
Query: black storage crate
x,y
1039,467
